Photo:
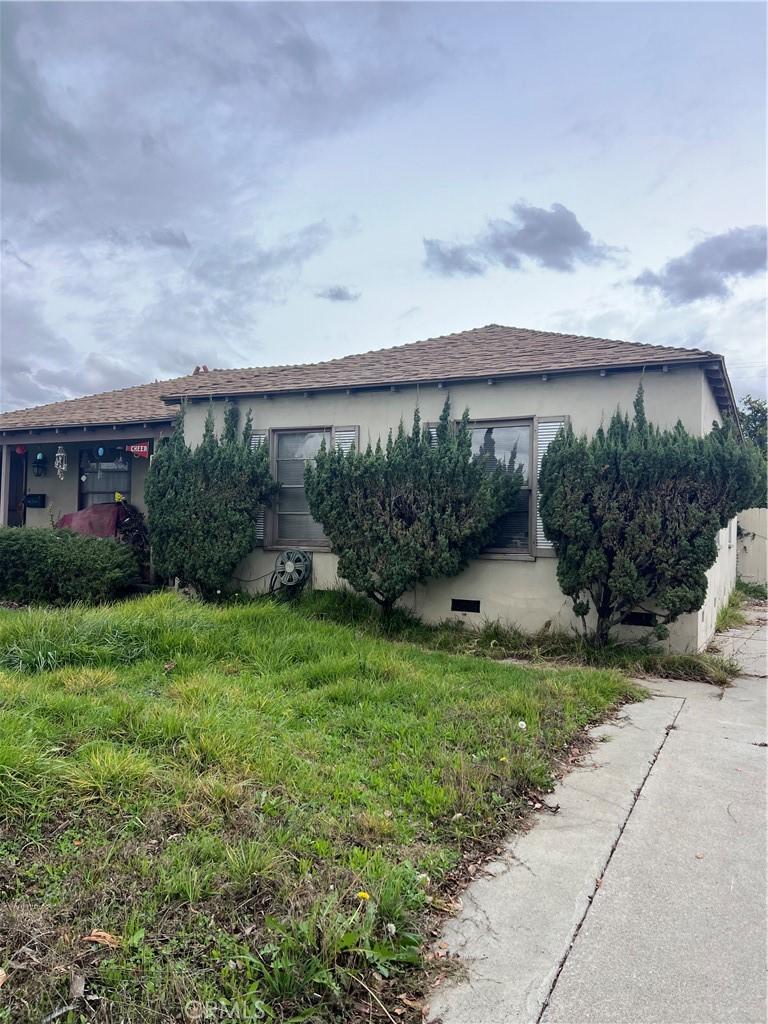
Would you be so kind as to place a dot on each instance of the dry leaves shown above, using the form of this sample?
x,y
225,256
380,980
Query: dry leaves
x,y
103,938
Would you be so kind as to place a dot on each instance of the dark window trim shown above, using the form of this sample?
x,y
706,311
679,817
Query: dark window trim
x,y
91,447
530,487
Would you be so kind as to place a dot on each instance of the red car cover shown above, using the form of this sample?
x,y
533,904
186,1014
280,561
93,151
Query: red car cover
x,y
96,521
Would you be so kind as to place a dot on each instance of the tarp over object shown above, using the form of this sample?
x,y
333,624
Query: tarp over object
x,y
95,521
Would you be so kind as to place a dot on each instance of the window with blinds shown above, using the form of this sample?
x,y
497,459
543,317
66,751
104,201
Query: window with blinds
x,y
292,524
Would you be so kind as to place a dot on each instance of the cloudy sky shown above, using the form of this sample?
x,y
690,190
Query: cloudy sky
x,y
244,184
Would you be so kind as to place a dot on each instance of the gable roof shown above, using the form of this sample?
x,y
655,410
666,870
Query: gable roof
x,y
139,404
485,352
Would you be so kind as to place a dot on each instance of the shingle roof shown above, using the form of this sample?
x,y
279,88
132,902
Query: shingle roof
x,y
491,351
484,352
140,404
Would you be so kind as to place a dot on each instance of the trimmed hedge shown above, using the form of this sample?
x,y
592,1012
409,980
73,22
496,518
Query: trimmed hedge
x,y
60,567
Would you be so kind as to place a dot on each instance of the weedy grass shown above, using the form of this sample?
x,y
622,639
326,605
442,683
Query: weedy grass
x,y
731,614
752,591
498,641
260,806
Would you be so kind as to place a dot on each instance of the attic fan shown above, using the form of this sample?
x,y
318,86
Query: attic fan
x,y
292,571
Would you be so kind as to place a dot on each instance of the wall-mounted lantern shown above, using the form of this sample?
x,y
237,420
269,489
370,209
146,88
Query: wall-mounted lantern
x,y
39,464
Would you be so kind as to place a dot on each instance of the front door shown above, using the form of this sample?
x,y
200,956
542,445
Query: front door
x,y
17,488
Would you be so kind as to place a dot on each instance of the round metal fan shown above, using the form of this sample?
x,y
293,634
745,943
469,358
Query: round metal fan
x,y
292,569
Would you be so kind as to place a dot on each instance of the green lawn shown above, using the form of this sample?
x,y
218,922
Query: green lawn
x,y
261,808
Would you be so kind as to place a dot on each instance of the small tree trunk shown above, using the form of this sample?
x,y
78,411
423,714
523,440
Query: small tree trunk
x,y
604,609
602,630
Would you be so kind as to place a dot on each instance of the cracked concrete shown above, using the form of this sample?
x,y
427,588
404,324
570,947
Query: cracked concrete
x,y
747,644
644,897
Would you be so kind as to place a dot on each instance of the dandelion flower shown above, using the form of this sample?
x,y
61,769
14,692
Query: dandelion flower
x,y
363,895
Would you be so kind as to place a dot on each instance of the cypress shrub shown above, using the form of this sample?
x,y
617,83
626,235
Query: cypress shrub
x,y
408,511
634,512
203,504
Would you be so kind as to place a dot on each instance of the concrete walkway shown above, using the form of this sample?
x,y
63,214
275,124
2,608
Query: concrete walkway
x,y
643,900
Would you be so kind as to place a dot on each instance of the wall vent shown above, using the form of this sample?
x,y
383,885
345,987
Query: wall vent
x,y
639,619
460,604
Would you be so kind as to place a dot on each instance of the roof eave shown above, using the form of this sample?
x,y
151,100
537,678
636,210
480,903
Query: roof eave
x,y
141,423
723,390
255,392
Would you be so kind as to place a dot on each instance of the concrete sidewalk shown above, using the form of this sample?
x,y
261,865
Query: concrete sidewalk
x,y
644,899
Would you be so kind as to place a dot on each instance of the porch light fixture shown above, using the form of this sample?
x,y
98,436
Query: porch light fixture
x,y
60,462
39,464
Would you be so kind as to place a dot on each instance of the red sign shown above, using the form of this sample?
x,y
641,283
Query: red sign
x,y
140,449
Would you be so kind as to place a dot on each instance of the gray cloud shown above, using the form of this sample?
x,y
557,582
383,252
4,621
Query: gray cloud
x,y
451,260
168,238
38,144
9,250
338,293
707,270
551,238
138,209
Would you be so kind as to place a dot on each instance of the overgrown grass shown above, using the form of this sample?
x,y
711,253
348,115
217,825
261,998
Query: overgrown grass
x,y
731,614
260,807
752,591
496,641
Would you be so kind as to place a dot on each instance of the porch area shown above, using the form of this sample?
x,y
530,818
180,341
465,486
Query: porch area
x,y
47,474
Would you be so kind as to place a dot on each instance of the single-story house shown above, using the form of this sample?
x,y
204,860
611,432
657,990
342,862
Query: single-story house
x,y
520,386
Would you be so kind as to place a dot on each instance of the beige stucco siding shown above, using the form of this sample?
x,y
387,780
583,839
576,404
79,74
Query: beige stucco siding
x,y
519,589
588,399
710,411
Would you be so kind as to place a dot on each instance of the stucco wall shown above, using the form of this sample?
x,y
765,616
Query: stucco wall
x,y
752,550
519,590
62,495
588,399
722,580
